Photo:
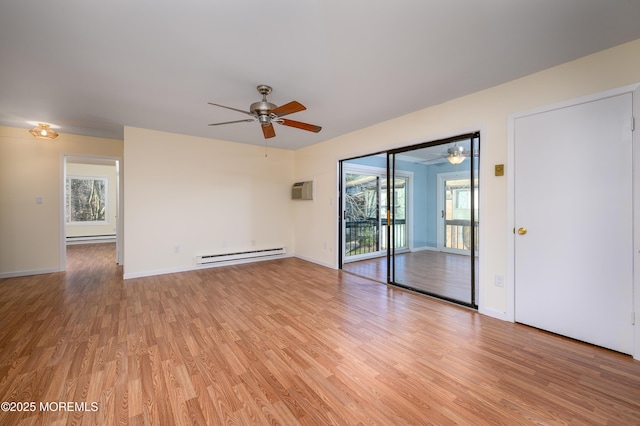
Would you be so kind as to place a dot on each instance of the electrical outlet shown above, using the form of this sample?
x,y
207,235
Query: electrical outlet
x,y
499,280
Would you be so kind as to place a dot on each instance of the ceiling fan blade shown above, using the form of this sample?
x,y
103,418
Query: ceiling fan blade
x,y
299,125
268,131
290,108
230,122
233,109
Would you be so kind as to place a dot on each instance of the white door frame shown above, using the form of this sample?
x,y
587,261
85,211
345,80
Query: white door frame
x,y
442,178
510,276
119,206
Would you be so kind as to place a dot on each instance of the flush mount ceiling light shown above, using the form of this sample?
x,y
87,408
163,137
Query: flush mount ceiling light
x,y
44,131
456,155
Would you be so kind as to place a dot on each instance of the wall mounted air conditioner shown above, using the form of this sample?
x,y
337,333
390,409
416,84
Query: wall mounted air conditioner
x,y
302,191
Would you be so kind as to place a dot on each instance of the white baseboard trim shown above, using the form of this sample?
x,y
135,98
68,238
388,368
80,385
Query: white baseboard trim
x,y
423,248
317,262
143,274
494,313
28,273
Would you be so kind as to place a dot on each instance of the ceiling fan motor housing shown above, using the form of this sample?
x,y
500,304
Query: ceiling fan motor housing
x,y
456,150
262,110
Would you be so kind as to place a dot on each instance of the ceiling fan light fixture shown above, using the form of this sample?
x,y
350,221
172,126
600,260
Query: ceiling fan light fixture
x,y
44,131
264,119
456,155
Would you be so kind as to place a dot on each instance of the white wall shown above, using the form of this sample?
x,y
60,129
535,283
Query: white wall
x,y
188,196
96,170
30,233
486,111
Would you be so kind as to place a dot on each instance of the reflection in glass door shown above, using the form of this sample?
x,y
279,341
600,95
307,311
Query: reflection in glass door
x,y
409,217
442,260
399,193
364,228
361,215
454,224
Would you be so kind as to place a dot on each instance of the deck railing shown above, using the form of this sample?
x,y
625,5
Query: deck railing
x,y
458,234
366,236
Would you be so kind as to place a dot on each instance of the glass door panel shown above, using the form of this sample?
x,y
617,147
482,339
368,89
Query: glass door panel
x,y
364,211
362,214
475,217
444,204
399,194
454,228
457,214
410,217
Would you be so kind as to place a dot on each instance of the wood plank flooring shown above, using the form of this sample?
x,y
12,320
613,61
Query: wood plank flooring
x,y
284,342
443,274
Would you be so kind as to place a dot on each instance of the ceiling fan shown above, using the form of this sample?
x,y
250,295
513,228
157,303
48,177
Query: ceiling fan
x,y
454,154
267,113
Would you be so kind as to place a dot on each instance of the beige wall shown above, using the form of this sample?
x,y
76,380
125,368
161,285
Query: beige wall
x,y
224,196
30,233
187,196
487,111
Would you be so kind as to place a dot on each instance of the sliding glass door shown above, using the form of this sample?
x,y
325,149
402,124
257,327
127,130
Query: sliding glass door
x,y
443,257
365,206
410,217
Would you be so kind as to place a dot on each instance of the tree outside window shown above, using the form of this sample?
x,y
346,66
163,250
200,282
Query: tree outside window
x,y
86,199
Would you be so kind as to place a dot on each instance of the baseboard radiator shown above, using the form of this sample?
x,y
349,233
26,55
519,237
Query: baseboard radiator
x,y
91,239
242,255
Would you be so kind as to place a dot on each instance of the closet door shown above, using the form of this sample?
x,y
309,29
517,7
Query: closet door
x,y
573,221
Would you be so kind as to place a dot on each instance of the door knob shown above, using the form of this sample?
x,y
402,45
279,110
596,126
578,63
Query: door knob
x,y
522,231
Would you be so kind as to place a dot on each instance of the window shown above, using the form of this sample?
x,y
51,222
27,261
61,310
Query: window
x,y
365,208
86,200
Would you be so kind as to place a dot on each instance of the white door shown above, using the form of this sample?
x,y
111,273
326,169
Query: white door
x,y
573,222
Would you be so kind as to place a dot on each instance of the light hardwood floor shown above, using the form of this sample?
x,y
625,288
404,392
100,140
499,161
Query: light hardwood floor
x,y
443,274
285,342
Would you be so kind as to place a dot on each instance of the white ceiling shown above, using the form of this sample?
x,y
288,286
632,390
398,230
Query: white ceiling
x,y
92,67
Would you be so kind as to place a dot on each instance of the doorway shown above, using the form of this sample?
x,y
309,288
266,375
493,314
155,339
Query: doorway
x,y
91,204
393,214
